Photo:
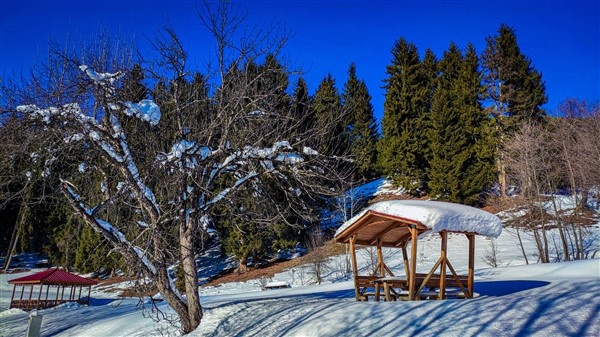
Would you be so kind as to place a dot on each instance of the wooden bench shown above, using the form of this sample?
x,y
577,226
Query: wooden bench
x,y
366,288
434,282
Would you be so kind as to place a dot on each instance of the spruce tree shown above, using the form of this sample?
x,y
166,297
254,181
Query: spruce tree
x,y
362,125
513,87
400,150
327,109
512,84
301,116
461,165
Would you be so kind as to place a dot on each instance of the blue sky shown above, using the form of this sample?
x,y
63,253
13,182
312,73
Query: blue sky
x,y
561,37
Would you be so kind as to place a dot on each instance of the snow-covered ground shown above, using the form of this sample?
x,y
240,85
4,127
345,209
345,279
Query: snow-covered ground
x,y
515,299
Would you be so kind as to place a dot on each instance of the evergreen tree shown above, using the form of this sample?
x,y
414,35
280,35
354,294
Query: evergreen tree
x,y
362,125
401,154
327,110
512,84
513,87
301,115
461,164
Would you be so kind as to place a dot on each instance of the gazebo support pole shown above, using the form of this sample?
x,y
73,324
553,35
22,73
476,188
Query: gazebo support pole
x,y
413,263
12,298
354,265
47,292
444,235
405,258
471,238
30,301
89,294
38,305
380,258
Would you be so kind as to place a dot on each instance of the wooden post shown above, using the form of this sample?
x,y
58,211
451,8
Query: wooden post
x,y
413,263
13,294
444,235
47,292
354,265
381,271
405,258
40,296
89,294
22,292
30,294
380,258
471,238
57,292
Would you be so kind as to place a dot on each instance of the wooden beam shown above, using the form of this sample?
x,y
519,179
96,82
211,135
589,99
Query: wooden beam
x,y
405,258
13,294
403,239
380,258
428,276
354,228
40,295
354,265
471,274
30,292
380,234
413,263
444,253
89,294
455,276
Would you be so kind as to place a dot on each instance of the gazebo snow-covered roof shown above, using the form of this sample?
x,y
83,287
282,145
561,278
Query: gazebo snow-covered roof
x,y
56,278
53,276
393,218
395,223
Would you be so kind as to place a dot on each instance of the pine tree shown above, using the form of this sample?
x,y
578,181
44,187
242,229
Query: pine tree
x,y
327,110
461,165
512,84
301,115
362,125
400,150
513,87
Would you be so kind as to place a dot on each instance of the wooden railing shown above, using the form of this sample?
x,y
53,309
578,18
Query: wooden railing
x,y
41,304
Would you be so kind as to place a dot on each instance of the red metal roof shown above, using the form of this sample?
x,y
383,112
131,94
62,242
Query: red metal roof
x,y
54,276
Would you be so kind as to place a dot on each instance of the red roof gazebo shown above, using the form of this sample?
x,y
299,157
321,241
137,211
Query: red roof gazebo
x,y
55,279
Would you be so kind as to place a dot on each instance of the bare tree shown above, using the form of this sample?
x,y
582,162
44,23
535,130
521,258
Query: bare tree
x,y
544,159
318,258
162,181
490,256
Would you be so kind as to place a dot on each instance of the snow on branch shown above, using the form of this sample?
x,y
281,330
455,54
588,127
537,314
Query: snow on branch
x,y
146,110
107,229
228,190
101,78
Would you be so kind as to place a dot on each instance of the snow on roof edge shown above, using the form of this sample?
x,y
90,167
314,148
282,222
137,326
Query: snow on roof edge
x,y
437,216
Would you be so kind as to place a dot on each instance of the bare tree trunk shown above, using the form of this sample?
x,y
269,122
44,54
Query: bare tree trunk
x,y
561,230
502,178
12,247
521,245
194,310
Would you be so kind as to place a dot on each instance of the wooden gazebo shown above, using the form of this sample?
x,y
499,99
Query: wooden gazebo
x,y
397,223
48,289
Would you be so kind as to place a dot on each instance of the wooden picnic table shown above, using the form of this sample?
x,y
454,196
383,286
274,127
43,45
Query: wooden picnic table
x,y
425,290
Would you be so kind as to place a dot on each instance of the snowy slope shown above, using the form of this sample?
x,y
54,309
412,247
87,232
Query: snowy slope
x,y
558,299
